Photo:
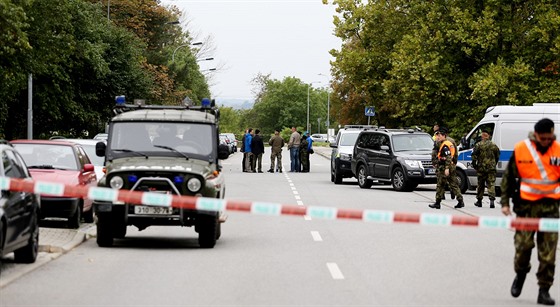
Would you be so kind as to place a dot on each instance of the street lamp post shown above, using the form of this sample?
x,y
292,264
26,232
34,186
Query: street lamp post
x,y
184,45
308,88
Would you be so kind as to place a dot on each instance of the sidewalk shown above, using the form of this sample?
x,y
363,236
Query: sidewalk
x,y
62,240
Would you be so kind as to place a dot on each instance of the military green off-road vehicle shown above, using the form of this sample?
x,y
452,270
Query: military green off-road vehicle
x,y
162,149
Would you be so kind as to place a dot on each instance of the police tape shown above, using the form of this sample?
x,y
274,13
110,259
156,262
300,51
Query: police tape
x,y
275,209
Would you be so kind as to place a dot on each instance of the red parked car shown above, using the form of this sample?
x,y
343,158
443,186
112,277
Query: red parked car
x,y
61,162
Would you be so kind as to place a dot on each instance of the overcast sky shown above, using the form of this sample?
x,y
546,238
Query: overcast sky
x,y
282,37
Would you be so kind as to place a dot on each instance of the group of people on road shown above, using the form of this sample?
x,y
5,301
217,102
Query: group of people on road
x,y
531,182
252,146
300,147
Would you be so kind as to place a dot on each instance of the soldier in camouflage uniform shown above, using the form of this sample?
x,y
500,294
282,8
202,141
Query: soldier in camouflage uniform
x,y
435,162
303,154
532,181
485,156
446,172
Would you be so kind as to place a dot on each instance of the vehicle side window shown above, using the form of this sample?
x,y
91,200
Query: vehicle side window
x,y
11,167
83,157
475,137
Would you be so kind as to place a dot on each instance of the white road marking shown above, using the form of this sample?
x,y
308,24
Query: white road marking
x,y
293,188
300,203
316,236
307,217
297,197
334,270
295,192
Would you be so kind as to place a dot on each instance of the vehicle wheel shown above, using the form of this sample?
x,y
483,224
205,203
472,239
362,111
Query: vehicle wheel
x,y
332,175
337,179
462,181
363,182
398,179
75,219
207,230
104,230
219,231
88,215
28,253
119,230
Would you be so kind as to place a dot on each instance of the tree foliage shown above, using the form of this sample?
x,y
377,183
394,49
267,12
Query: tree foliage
x,y
420,62
79,61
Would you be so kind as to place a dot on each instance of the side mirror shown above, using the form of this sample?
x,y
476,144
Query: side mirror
x,y
333,145
100,148
223,152
88,168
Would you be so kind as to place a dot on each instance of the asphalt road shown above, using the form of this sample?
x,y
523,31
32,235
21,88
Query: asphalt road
x,y
292,260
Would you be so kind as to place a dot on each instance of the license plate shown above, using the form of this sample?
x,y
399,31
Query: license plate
x,y
431,171
153,210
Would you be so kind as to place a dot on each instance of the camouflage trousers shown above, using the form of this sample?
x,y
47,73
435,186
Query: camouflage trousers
x,y
304,158
276,157
451,181
486,179
547,243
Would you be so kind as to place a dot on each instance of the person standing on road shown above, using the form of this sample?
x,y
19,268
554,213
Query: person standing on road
x,y
435,161
485,157
248,155
532,181
257,148
446,170
293,146
276,144
243,150
305,150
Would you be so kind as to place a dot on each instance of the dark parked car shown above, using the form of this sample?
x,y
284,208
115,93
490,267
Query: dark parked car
x,y
401,157
61,162
19,211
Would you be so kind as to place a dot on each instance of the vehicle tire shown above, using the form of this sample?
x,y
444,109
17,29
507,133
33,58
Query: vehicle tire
x,y
207,230
337,179
363,181
398,180
88,215
104,230
28,253
219,231
75,219
462,181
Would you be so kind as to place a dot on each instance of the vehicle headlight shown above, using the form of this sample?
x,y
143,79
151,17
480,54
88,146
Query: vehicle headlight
x,y
194,185
413,163
116,183
345,157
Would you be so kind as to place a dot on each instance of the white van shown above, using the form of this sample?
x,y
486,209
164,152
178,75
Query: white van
x,y
508,125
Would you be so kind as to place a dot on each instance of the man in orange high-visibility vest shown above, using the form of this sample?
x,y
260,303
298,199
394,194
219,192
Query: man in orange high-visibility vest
x,y
531,181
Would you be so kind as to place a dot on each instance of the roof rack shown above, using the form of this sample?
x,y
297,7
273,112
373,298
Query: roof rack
x,y
359,127
121,106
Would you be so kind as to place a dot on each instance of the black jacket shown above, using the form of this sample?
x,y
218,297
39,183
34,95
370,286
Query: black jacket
x,y
257,145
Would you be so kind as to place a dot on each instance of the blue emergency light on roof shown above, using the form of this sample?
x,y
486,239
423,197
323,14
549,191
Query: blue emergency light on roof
x,y
120,100
206,102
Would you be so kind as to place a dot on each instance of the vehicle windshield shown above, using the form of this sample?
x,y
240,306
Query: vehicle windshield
x,y
48,156
348,139
188,138
412,142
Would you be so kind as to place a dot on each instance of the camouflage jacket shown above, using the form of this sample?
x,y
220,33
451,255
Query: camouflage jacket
x,y
485,156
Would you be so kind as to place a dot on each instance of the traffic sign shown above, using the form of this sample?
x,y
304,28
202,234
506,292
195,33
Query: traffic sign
x,y
370,111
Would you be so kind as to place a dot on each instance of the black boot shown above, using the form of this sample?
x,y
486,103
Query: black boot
x,y
478,203
460,204
544,297
435,205
517,285
452,195
443,197
492,203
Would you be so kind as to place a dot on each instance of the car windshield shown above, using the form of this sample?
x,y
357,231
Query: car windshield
x,y
412,142
348,139
189,138
48,156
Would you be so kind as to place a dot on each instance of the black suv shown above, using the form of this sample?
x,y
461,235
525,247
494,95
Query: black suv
x,y
170,150
401,157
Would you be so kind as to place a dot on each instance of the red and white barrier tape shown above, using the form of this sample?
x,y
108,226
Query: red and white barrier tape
x,y
264,208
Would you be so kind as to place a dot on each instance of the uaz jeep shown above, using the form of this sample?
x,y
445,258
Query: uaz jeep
x,y
161,149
